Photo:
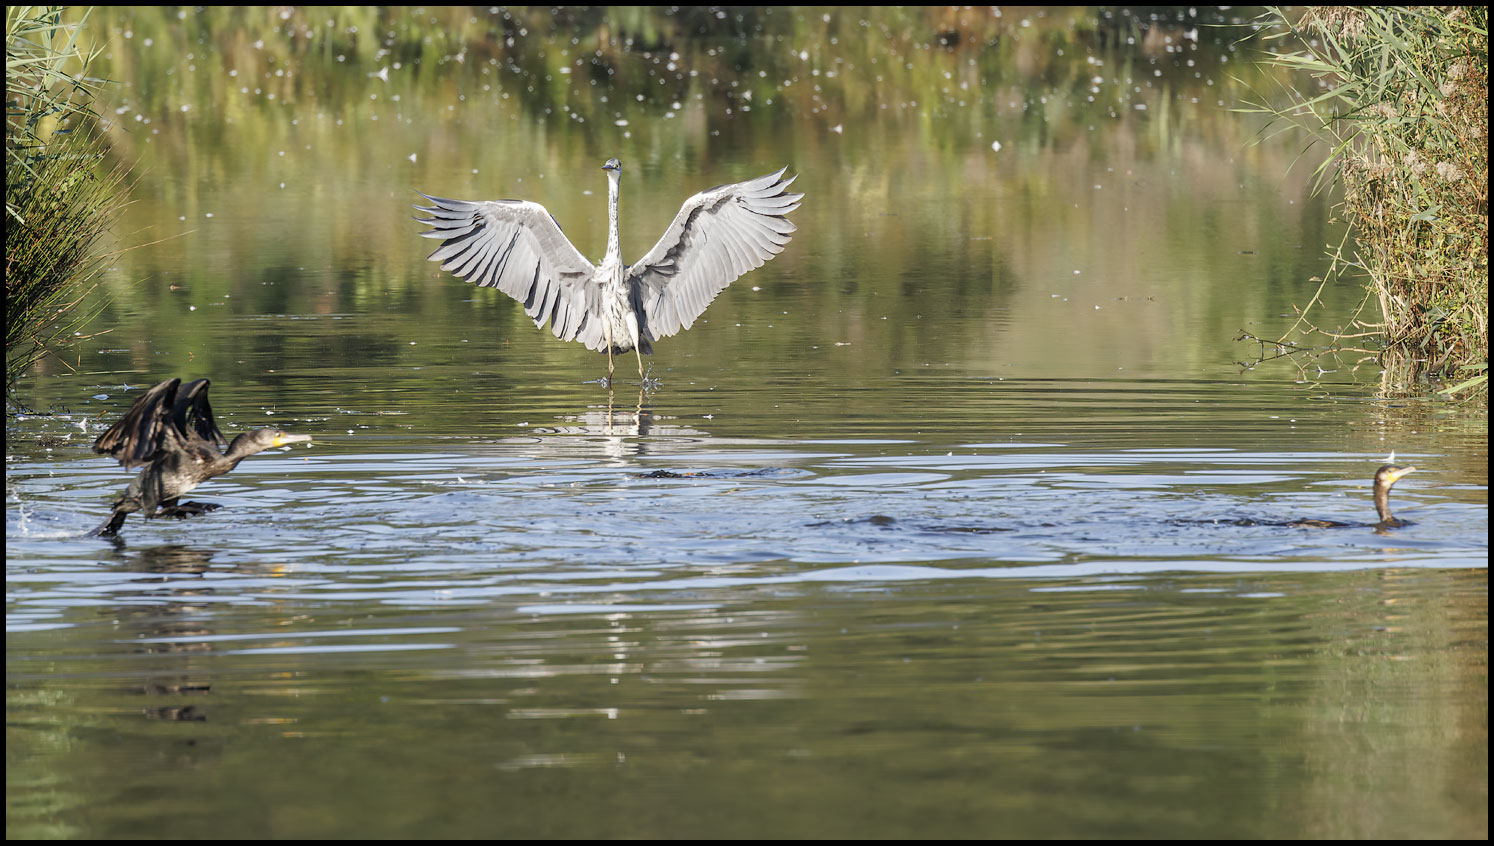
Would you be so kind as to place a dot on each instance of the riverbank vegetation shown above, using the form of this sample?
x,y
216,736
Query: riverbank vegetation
x,y
1403,106
59,200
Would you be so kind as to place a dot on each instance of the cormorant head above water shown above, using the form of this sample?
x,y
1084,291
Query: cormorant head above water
x,y
171,433
1385,477
518,248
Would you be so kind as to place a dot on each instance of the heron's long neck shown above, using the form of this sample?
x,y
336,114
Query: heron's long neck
x,y
614,249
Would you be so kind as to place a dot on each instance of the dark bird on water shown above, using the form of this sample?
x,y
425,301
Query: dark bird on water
x,y
171,432
1385,477
518,248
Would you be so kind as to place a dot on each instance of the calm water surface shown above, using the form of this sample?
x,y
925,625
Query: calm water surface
x,y
957,519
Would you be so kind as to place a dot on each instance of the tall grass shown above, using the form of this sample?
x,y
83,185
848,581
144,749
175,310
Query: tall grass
x,y
58,201
1403,103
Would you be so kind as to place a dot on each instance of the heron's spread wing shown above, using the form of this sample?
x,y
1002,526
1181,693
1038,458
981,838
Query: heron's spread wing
x,y
135,439
518,248
718,235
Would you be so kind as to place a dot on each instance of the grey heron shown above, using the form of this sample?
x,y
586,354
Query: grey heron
x,y
172,433
517,247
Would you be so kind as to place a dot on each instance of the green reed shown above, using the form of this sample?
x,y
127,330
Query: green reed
x,y
59,203
1403,105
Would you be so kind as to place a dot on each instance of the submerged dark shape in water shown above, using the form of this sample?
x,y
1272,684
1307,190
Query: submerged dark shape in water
x,y
712,474
172,433
669,474
517,247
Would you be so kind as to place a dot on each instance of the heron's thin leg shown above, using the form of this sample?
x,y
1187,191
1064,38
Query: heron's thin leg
x,y
640,362
607,338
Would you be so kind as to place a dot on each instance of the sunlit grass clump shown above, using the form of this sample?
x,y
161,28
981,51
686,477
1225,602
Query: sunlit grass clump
x,y
58,203
1404,103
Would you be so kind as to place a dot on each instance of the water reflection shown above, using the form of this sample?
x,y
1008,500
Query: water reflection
x,y
1036,689
665,615
934,529
1137,217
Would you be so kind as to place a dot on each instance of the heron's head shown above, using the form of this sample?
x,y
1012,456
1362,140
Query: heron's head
x,y
1390,474
613,165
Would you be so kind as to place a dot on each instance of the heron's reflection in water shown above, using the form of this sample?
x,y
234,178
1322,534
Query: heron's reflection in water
x,y
620,431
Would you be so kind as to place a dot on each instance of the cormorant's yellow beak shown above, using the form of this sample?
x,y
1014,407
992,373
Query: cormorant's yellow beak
x,y
1388,474
286,438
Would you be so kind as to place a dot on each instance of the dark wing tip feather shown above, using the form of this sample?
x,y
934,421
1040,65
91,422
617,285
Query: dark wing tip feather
x,y
192,414
133,440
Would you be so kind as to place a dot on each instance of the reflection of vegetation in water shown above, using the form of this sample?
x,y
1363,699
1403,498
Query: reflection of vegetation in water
x,y
890,115
1405,113
56,205
635,63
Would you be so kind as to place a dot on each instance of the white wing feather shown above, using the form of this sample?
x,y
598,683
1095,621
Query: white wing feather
x,y
518,248
718,235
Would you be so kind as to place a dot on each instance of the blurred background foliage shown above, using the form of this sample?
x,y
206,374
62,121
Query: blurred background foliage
x,y
987,150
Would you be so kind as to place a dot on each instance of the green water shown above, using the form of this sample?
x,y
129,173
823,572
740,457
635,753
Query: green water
x,y
959,518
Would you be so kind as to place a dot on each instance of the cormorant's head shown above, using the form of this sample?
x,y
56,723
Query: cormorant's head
x,y
283,438
259,440
1390,474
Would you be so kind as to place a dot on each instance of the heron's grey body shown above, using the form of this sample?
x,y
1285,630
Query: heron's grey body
x,y
517,247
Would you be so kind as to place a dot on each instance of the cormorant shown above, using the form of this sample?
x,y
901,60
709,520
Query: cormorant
x,y
171,432
1386,476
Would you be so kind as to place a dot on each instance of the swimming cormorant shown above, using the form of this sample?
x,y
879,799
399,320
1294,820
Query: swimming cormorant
x,y
1386,476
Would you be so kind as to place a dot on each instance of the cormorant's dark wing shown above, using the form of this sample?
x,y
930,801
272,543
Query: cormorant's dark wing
x,y
718,235
136,438
518,248
192,414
